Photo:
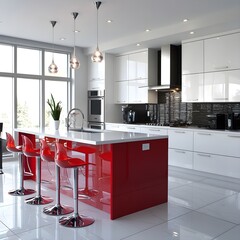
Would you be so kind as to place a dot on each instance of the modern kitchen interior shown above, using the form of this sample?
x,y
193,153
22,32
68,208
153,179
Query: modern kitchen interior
x,y
117,126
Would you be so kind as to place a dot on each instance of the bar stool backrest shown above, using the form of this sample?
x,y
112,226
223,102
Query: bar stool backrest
x,y
11,146
45,151
28,148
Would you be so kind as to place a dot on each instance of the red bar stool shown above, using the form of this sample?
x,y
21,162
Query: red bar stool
x,y
64,161
86,150
30,151
11,147
57,209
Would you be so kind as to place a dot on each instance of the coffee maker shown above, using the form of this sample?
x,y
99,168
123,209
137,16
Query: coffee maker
x,y
128,114
134,114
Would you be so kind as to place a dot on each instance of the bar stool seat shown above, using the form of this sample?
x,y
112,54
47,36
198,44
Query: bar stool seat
x,y
30,151
57,209
64,161
86,150
11,147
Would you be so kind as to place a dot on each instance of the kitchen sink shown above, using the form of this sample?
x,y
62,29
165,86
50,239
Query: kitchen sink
x,y
83,130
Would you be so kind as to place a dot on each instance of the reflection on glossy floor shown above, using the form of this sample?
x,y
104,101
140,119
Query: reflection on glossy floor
x,y
199,208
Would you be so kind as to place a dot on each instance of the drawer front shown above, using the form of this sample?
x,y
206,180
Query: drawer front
x,y
157,131
222,165
180,158
226,144
180,139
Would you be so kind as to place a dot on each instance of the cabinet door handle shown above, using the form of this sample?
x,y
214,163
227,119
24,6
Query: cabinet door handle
x,y
221,67
204,155
131,128
233,136
193,100
206,134
220,98
178,151
180,132
154,130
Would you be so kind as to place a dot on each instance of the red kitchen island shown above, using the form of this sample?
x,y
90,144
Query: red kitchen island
x,y
128,172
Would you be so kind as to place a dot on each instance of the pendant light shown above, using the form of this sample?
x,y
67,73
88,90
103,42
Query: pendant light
x,y
53,67
74,62
97,55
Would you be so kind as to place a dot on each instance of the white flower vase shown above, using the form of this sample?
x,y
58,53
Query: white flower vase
x,y
56,124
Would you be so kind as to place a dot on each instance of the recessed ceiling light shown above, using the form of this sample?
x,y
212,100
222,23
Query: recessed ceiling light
x,y
62,39
185,20
109,21
138,44
192,33
76,31
147,30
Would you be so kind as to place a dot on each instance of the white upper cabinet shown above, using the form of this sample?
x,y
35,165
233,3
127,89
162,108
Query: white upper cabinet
x,y
138,65
121,92
211,69
192,88
121,68
222,86
134,72
96,75
192,57
222,53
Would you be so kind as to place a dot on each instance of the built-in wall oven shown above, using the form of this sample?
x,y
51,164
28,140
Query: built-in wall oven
x,y
96,109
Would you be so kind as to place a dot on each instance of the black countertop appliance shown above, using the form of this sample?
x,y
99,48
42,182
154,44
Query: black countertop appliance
x,y
135,114
233,121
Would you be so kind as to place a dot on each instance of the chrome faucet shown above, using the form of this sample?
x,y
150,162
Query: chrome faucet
x,y
68,124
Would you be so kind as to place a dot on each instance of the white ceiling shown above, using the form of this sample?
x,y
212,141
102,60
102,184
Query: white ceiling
x,y
30,19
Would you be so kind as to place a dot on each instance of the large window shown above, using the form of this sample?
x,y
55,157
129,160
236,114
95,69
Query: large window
x,y
6,103
25,88
28,102
29,61
60,94
6,58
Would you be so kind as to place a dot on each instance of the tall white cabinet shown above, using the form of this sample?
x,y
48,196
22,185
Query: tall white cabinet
x,y
134,72
211,69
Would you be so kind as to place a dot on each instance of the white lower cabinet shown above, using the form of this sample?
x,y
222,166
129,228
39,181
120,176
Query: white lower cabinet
x,y
154,130
225,143
130,128
217,164
180,158
180,148
180,139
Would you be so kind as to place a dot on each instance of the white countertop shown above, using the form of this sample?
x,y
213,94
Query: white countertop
x,y
96,138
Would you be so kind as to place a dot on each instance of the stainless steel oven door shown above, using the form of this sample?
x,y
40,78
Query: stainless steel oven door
x,y
96,109
94,125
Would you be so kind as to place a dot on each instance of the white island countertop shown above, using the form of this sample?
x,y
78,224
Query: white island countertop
x,y
95,137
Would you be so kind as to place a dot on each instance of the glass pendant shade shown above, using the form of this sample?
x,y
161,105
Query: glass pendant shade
x,y
97,56
53,67
74,62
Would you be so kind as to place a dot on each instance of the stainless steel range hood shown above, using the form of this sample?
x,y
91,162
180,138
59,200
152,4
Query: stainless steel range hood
x,y
169,69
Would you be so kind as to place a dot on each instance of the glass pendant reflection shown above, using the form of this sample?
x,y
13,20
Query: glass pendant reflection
x,y
53,68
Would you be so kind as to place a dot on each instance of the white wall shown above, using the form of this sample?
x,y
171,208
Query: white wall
x,y
79,88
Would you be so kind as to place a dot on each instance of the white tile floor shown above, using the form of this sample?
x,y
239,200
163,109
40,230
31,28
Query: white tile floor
x,y
199,208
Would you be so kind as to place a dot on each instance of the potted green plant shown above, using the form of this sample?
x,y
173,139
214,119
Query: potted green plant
x,y
56,109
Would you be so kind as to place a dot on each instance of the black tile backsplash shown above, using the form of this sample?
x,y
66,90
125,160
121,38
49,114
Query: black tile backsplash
x,y
171,108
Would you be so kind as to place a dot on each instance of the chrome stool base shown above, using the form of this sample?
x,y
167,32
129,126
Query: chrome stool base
x,y
57,210
21,192
76,221
38,200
